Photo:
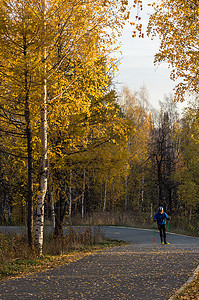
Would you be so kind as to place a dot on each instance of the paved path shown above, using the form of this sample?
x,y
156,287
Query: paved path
x,y
140,270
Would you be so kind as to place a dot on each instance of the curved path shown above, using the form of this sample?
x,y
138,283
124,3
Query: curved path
x,y
141,270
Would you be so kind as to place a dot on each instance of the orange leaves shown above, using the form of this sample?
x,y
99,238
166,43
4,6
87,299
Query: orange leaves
x,y
191,292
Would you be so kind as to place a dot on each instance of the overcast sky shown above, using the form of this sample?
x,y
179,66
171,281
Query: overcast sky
x,y
137,67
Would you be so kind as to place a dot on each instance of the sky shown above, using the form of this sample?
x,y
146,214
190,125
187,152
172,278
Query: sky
x,y
137,64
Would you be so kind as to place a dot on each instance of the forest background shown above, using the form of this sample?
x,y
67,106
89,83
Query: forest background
x,y
73,150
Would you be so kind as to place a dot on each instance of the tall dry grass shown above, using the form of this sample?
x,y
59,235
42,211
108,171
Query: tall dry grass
x,y
115,218
73,239
16,255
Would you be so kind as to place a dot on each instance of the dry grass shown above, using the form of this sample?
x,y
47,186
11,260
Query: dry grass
x,y
74,239
116,218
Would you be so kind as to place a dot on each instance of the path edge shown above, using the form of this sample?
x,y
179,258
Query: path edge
x,y
189,281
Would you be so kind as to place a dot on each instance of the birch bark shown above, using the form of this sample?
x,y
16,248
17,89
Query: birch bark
x,y
126,188
44,150
70,196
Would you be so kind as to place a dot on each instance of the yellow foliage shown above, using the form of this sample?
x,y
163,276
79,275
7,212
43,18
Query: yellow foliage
x,y
176,24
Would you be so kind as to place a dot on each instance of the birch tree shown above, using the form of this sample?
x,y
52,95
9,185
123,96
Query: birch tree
x,y
44,146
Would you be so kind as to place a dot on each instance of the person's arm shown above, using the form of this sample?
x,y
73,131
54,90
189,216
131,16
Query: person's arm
x,y
155,218
167,217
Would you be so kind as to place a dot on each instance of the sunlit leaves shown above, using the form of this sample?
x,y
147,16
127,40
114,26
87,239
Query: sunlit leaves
x,y
176,24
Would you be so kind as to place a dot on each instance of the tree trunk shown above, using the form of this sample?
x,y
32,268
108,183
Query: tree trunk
x,y
43,179
44,150
160,196
52,207
105,195
126,186
30,154
30,178
142,191
8,211
70,196
83,191
60,212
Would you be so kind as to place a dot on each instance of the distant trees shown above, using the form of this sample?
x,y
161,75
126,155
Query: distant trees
x,y
164,152
161,149
137,112
187,174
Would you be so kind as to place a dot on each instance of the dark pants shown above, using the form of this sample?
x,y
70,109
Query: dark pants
x,y
162,229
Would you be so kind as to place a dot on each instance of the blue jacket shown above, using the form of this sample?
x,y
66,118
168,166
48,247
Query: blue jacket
x,y
161,218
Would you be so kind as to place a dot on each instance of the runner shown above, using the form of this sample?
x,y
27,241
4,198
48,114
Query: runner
x,y
160,217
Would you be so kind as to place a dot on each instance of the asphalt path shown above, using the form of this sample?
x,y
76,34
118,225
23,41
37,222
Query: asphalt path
x,y
144,269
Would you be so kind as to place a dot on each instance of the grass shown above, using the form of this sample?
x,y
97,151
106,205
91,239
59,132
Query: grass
x,y
16,259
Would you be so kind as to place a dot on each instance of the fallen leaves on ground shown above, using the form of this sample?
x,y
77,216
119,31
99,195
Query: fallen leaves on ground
x,y
191,292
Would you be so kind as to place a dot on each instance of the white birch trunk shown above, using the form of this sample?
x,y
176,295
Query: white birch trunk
x,y
126,186
142,192
83,191
101,196
43,161
151,210
70,196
